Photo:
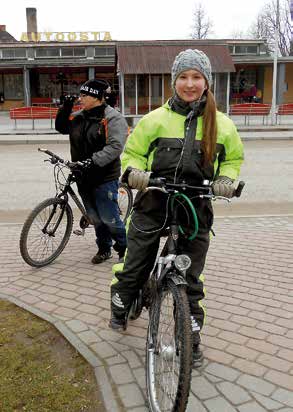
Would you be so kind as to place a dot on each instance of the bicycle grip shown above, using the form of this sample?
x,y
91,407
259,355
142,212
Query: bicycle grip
x,y
239,188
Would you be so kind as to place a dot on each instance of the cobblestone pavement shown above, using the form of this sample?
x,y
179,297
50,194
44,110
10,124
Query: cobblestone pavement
x,y
248,338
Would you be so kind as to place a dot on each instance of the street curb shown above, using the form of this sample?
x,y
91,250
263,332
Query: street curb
x,y
101,376
30,141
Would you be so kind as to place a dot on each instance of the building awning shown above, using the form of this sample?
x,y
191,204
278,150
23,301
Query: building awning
x,y
152,58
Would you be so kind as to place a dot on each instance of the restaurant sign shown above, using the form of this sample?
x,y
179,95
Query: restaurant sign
x,y
66,36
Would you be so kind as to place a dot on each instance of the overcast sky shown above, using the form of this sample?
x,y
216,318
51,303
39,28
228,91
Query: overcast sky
x,y
130,19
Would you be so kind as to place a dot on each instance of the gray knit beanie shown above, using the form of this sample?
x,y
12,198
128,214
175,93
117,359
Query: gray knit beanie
x,y
192,59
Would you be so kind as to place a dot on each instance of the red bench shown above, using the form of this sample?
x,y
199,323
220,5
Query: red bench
x,y
250,109
35,112
284,109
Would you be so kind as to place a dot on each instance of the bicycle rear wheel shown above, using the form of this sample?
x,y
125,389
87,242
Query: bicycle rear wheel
x,y
125,201
46,232
169,350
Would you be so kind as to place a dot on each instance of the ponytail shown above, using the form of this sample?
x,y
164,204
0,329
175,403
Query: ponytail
x,y
209,133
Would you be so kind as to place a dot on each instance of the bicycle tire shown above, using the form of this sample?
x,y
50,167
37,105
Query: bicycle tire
x,y
162,394
125,201
37,248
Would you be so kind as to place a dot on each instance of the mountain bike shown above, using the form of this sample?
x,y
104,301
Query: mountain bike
x,y
47,229
169,335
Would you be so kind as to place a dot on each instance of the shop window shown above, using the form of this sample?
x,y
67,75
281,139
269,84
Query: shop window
x,y
104,51
129,94
73,52
168,92
13,86
231,49
47,52
13,53
245,49
156,91
143,93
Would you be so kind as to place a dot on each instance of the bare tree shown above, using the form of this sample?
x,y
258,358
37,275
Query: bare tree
x,y
268,20
202,24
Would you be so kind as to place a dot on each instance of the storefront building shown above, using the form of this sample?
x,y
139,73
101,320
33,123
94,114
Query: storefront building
x,y
42,67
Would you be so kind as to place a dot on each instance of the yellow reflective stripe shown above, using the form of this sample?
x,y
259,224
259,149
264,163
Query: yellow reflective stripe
x,y
118,267
114,281
202,278
201,305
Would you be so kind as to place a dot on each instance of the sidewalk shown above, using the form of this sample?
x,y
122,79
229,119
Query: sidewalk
x,y
247,341
43,132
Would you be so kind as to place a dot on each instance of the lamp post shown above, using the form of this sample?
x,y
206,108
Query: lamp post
x,y
275,67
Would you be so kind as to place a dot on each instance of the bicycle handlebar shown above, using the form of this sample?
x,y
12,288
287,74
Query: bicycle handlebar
x,y
55,159
202,191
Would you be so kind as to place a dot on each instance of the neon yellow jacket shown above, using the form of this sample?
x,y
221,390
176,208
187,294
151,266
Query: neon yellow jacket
x,y
163,122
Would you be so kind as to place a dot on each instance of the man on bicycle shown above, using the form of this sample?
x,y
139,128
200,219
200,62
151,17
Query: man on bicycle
x,y
97,135
185,141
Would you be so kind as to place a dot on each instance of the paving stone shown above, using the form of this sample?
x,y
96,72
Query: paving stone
x,y
46,306
104,350
89,337
262,346
267,402
133,359
115,360
87,318
219,405
140,377
211,378
218,356
76,325
194,405
233,337
251,368
234,393
256,384
201,387
222,371
121,374
242,351
131,395
280,379
251,407
29,299
275,363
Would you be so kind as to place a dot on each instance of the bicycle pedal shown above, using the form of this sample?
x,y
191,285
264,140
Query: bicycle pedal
x,y
79,232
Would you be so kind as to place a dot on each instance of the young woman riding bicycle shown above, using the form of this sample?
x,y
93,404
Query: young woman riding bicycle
x,y
185,140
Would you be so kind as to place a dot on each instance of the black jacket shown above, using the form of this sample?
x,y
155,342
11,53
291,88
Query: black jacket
x,y
99,134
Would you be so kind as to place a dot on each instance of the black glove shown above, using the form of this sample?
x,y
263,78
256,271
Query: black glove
x,y
223,186
68,101
86,164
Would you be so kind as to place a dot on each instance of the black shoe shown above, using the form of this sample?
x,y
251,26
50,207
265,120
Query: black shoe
x,y
197,356
100,257
117,324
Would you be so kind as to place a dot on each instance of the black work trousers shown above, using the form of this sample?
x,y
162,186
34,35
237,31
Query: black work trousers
x,y
142,249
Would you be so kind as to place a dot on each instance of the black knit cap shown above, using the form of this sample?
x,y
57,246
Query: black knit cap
x,y
95,88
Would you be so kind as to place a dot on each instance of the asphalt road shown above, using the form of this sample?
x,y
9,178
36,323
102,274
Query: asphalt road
x,y
25,180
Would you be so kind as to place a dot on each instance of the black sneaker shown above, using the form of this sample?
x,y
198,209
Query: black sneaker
x,y
197,356
100,257
117,324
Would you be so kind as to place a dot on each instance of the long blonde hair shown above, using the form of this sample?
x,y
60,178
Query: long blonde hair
x,y
209,133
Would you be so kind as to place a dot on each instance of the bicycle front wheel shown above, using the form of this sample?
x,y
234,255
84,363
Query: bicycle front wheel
x,y
46,232
125,201
169,350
